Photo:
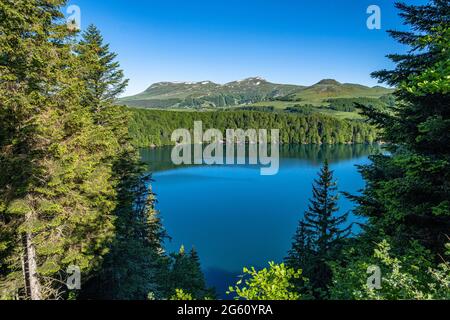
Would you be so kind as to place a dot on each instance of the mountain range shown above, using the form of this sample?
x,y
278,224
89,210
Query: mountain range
x,y
251,91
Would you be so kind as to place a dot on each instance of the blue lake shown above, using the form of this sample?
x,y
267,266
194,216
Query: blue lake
x,y
236,217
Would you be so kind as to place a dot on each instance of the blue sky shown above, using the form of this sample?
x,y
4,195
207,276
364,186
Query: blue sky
x,y
284,41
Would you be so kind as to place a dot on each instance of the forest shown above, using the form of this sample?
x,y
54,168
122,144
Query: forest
x,y
74,190
155,127
349,104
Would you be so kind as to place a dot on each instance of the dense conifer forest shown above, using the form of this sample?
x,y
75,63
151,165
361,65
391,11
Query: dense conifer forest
x,y
155,127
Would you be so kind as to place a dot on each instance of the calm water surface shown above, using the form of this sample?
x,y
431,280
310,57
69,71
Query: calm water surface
x,y
235,217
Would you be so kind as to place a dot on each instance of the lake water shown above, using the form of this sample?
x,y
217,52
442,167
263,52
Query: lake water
x,y
235,217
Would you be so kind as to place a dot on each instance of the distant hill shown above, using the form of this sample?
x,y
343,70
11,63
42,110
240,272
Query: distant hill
x,y
329,88
251,91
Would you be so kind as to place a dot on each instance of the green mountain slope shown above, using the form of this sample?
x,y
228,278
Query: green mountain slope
x,y
327,89
252,91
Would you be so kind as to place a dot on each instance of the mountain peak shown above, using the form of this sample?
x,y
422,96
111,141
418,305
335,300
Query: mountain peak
x,y
182,82
252,81
256,78
179,83
328,82
207,94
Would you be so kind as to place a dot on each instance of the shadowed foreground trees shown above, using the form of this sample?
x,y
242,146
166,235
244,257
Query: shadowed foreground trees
x,y
407,197
319,237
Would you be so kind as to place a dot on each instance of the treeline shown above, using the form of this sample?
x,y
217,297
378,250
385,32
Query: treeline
x,y
77,213
153,103
218,100
350,104
155,127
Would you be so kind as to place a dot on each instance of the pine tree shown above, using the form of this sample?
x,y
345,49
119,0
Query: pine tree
x,y
300,253
300,257
136,256
198,282
55,189
408,191
102,75
320,234
177,277
185,274
321,221
136,260
407,198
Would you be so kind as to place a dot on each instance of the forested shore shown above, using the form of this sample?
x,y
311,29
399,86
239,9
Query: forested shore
x,y
150,128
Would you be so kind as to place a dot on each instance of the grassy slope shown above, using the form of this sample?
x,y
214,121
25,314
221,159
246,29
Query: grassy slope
x,y
318,94
171,96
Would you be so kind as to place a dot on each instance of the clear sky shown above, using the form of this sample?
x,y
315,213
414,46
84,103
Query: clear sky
x,y
284,41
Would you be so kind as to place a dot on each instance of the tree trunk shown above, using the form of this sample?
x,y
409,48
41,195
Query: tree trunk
x,y
24,257
33,286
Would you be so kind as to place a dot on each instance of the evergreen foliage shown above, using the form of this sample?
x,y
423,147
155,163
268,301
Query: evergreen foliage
x,y
135,256
73,191
407,197
103,78
320,236
184,275
57,192
154,127
408,192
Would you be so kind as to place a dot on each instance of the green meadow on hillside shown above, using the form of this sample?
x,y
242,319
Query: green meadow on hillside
x,y
257,93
